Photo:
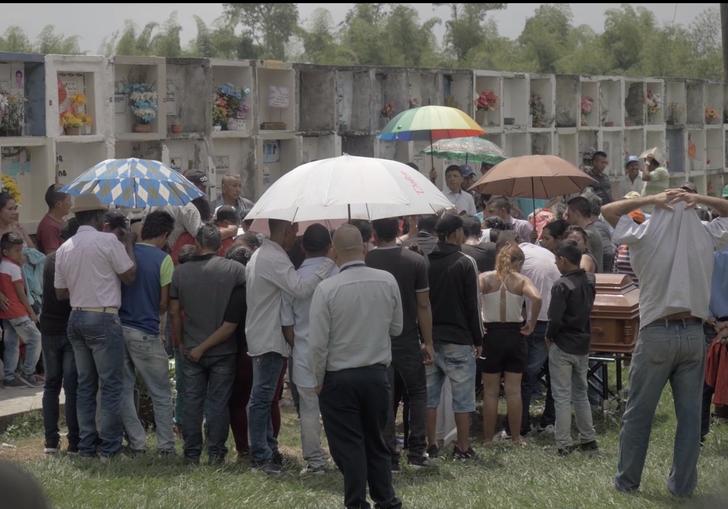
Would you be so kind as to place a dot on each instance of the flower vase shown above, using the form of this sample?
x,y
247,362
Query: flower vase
x,y
480,116
72,131
142,128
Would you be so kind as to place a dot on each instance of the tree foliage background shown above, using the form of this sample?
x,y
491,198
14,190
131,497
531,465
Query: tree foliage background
x,y
632,41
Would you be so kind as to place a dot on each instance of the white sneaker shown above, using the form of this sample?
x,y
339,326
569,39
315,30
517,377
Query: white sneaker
x,y
50,450
314,470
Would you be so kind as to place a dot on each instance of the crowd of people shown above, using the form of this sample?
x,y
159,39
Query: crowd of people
x,y
362,319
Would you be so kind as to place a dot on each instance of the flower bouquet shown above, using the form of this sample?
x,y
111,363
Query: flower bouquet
x,y
587,105
486,101
230,109
711,115
387,110
9,185
143,104
75,120
653,102
12,114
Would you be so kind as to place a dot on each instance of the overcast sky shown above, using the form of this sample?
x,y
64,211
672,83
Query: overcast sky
x,y
93,22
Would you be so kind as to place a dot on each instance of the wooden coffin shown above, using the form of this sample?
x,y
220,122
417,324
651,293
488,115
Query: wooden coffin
x,y
615,315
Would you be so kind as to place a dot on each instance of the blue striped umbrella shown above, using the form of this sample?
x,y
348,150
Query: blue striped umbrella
x,y
134,183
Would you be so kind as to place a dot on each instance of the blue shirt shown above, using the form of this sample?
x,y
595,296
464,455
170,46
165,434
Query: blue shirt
x,y
140,300
719,285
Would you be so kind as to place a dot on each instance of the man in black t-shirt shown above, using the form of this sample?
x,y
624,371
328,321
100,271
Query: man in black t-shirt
x,y
59,362
482,252
410,271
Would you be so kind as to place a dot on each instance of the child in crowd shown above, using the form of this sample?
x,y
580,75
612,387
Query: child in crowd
x,y
19,318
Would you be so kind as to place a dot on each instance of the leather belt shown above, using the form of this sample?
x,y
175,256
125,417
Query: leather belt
x,y
684,319
112,310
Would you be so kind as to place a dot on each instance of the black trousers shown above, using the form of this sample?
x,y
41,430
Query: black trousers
x,y
354,406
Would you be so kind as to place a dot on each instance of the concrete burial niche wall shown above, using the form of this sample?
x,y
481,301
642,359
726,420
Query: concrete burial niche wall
x,y
634,142
390,93
611,102
542,101
358,145
236,156
73,158
23,76
275,96
237,75
695,102
424,88
30,166
488,82
356,112
274,157
589,117
139,149
675,103
457,89
515,101
567,145
676,150
189,110
320,147
634,102
567,100
316,98
714,145
130,75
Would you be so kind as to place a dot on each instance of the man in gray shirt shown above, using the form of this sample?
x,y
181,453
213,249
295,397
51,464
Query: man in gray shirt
x,y
201,288
352,317
579,213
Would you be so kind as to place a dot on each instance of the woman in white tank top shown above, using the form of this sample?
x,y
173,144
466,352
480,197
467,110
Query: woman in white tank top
x,y
503,293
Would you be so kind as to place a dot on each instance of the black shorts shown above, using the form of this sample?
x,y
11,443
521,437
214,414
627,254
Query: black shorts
x,y
505,349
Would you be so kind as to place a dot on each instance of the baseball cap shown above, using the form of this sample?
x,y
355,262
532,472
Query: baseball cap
x,y
725,191
196,177
467,171
632,159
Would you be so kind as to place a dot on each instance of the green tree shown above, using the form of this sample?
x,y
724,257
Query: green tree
x,y
14,40
466,29
586,55
167,42
409,42
546,36
269,26
363,35
49,42
625,32
319,43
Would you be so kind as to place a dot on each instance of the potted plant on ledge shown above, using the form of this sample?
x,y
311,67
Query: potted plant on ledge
x,y
75,120
12,114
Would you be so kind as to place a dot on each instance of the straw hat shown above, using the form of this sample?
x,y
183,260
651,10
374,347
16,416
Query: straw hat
x,y
653,153
87,202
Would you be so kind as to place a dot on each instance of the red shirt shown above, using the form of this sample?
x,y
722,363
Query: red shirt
x,y
48,235
187,239
10,273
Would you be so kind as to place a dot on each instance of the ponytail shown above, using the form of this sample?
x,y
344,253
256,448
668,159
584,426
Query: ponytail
x,y
508,257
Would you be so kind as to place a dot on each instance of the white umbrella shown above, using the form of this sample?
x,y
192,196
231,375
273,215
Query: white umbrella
x,y
349,187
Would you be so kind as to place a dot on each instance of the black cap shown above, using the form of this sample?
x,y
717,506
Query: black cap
x,y
447,224
196,177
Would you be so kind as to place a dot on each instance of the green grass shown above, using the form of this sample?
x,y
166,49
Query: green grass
x,y
505,476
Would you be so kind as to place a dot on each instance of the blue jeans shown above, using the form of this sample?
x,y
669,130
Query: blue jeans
x,y
146,355
674,353
209,384
27,330
569,386
537,357
98,346
266,371
457,363
60,370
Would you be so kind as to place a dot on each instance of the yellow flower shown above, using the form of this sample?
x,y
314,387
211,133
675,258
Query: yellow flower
x,y
11,186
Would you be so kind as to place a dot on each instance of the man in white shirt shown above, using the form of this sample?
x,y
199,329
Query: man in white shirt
x,y
316,243
268,275
90,267
501,207
672,254
540,268
461,200
353,315
631,181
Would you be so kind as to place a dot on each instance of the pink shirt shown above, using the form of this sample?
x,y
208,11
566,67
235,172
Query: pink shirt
x,y
87,264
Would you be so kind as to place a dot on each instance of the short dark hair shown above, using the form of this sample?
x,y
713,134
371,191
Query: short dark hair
x,y
447,225
251,239
471,226
70,229
599,153
240,254
316,239
53,196
9,240
208,236
557,228
570,251
5,197
580,205
500,202
277,225
115,219
186,253
365,229
156,224
88,217
226,213
427,223
581,231
386,229
454,167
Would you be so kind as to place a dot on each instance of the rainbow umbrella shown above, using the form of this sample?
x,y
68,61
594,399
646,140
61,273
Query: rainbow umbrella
x,y
430,123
